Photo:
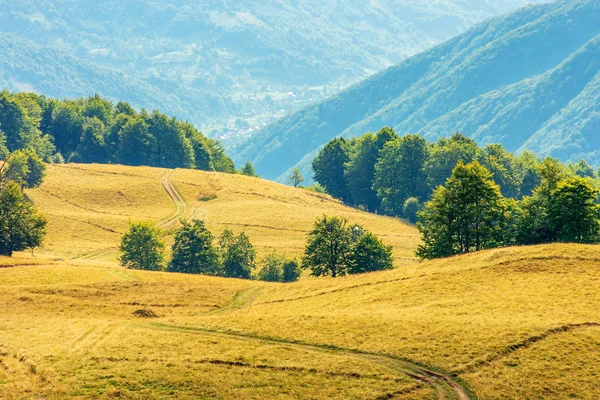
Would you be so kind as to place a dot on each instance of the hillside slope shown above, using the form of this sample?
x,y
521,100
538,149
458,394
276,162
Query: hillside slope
x,y
507,323
89,208
221,58
526,80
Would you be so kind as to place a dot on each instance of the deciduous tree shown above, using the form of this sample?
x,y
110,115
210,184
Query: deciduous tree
x,y
143,247
193,250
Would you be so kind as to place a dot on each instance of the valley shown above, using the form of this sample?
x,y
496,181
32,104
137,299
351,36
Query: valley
x,y
513,322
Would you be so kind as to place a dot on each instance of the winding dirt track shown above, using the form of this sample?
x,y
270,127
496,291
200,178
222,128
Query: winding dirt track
x,y
176,198
444,385
180,210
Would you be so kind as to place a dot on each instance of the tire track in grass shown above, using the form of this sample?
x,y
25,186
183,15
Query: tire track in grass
x,y
444,384
526,343
176,197
180,210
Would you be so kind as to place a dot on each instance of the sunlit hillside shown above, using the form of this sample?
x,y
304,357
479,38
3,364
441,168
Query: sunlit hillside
x,y
510,323
89,208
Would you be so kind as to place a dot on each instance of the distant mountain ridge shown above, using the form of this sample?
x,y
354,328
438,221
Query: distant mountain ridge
x,y
529,79
213,61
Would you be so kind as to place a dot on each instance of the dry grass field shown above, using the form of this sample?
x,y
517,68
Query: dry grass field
x,y
516,323
89,208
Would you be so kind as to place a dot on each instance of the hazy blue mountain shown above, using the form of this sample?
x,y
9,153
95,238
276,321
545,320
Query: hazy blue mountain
x,y
529,79
210,61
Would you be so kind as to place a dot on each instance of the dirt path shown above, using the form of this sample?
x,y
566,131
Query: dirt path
x,y
444,385
180,210
176,198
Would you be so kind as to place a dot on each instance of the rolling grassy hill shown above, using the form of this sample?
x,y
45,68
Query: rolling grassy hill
x,y
528,80
506,323
511,324
89,207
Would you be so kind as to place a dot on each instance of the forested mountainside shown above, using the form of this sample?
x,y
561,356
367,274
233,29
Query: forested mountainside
x,y
212,61
527,80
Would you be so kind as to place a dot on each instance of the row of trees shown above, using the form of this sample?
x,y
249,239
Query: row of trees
x,y
21,227
334,248
194,252
94,130
470,213
386,173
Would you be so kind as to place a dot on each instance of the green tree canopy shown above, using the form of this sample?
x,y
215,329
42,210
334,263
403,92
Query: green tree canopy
x,y
329,246
573,211
400,172
138,146
238,255
21,227
248,170
193,250
272,268
446,154
370,254
143,247
360,169
464,216
329,166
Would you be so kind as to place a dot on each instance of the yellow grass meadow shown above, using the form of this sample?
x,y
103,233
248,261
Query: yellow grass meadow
x,y
515,323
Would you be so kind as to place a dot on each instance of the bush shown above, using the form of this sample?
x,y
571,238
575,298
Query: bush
x,y
277,268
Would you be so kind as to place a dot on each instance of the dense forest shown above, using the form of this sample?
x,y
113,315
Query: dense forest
x,y
464,197
94,130
395,175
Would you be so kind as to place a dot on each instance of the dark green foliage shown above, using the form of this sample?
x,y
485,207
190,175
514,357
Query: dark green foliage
x,y
93,130
400,172
446,154
248,170
137,145
277,268
143,247
370,254
12,121
329,166
91,147
411,208
272,268
504,168
573,211
291,271
329,247
360,169
464,216
66,127
21,227
193,250
529,165
173,148
335,249
238,255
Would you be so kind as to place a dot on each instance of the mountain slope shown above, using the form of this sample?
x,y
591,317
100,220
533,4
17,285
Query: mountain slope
x,y
507,80
211,54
